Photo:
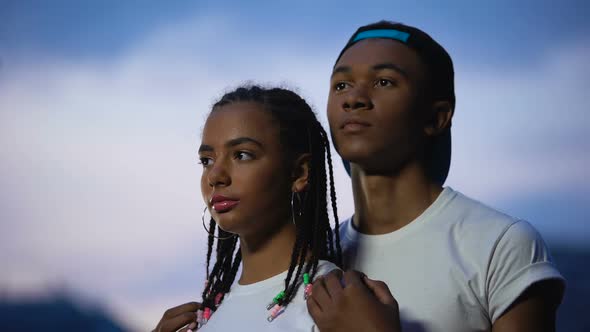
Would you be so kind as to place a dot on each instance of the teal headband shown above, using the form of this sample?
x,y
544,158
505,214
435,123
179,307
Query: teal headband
x,y
382,33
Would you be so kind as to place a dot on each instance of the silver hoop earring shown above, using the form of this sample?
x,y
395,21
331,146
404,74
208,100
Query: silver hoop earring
x,y
213,234
300,213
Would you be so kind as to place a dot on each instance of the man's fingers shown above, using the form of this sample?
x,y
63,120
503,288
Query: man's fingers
x,y
336,273
333,286
352,277
313,307
381,291
320,292
187,307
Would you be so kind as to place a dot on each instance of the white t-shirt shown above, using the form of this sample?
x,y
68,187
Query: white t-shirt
x,y
244,307
457,267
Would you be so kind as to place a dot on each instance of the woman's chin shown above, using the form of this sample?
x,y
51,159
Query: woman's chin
x,y
228,226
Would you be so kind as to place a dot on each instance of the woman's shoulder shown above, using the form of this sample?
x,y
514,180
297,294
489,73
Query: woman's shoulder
x,y
325,267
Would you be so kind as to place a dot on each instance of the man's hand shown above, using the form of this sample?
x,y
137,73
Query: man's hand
x,y
350,301
183,316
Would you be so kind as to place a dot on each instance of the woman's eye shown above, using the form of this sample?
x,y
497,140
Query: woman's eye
x,y
241,155
384,82
339,86
205,161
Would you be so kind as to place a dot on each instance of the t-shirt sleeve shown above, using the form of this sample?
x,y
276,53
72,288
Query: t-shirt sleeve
x,y
519,259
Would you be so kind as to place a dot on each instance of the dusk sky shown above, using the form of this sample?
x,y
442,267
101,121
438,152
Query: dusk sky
x,y
102,104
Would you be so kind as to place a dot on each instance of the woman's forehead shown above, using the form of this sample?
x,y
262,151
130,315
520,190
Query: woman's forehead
x,y
240,119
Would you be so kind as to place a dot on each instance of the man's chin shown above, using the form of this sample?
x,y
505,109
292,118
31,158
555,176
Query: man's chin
x,y
356,156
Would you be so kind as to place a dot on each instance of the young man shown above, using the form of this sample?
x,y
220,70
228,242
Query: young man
x,y
450,262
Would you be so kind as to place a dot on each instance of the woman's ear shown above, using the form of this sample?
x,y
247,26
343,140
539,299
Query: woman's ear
x,y
439,119
301,171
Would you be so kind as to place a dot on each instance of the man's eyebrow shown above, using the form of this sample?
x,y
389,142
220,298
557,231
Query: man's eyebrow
x,y
341,69
391,66
377,67
241,140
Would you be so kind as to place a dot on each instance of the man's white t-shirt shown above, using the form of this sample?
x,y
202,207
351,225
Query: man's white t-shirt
x,y
244,307
457,267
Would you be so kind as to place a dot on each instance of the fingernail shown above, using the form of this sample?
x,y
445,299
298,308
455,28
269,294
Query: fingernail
x,y
192,325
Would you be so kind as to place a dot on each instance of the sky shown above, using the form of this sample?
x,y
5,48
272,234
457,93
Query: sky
x,y
102,104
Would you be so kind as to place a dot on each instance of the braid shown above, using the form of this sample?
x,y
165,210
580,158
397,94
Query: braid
x,y
221,276
295,257
226,265
210,244
338,260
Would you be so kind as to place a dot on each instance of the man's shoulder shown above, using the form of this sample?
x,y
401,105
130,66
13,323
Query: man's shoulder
x,y
470,212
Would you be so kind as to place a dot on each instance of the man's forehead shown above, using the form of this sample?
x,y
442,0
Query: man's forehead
x,y
377,51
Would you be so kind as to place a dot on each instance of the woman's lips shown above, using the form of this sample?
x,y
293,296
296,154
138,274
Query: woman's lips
x,y
223,204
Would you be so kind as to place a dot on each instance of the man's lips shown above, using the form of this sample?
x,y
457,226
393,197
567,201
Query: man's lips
x,y
223,204
354,125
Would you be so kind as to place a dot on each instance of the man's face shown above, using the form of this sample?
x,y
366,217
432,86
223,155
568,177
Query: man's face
x,y
374,105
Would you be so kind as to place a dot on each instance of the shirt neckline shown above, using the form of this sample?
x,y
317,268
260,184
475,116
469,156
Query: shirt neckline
x,y
426,216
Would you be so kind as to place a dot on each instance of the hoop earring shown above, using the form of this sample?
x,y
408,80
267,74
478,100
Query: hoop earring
x,y
213,234
300,213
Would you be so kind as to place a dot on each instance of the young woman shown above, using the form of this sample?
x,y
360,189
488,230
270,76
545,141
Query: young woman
x,y
264,178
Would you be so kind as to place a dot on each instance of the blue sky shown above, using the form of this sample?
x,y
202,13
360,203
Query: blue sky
x,y
504,29
102,103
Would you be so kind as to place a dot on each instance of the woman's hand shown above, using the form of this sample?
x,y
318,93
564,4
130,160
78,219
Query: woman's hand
x,y
183,316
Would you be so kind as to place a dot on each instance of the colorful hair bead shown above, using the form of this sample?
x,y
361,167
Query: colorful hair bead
x,y
307,291
218,298
207,313
308,286
200,318
276,300
275,312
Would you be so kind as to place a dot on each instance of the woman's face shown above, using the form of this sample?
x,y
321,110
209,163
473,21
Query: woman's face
x,y
245,182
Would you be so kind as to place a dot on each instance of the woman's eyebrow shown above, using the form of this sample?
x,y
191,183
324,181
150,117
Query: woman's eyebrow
x,y
231,143
204,148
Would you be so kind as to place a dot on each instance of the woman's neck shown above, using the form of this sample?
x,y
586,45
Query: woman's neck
x,y
385,203
266,256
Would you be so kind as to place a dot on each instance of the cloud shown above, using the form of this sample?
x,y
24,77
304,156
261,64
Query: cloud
x,y
523,129
99,186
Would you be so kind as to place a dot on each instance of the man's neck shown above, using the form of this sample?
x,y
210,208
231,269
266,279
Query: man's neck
x,y
386,203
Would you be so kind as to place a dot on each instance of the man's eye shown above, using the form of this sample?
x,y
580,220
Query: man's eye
x,y
242,155
384,82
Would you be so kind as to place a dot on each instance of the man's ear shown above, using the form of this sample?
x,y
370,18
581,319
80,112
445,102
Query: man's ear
x,y
439,119
301,169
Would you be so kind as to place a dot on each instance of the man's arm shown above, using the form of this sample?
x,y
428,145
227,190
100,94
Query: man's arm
x,y
534,310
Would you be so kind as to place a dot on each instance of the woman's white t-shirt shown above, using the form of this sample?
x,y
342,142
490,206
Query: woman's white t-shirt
x,y
244,307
